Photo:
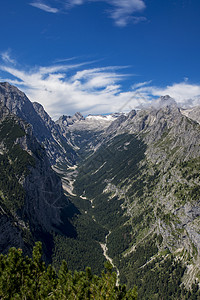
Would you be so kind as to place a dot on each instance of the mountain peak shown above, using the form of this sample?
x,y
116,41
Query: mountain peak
x,y
165,98
7,85
164,101
78,116
69,120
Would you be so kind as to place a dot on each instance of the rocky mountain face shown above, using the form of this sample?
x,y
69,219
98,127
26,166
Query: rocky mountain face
x,y
133,180
65,121
32,202
44,128
192,113
84,134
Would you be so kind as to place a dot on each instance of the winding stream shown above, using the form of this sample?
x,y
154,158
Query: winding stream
x,y
105,250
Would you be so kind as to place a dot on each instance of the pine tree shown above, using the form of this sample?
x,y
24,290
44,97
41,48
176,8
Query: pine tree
x,y
24,278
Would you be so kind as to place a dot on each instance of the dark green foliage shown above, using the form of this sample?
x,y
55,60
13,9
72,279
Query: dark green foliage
x,y
21,160
12,193
163,279
78,253
156,278
14,163
88,229
114,214
113,160
119,240
190,171
25,278
159,279
142,254
83,251
117,160
10,130
120,157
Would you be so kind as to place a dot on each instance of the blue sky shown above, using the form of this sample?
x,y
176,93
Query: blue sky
x,y
101,56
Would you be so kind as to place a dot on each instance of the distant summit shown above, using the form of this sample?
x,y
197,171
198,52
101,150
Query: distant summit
x,y
69,120
164,101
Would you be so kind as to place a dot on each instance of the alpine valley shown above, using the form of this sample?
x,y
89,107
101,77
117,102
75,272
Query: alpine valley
x,y
120,187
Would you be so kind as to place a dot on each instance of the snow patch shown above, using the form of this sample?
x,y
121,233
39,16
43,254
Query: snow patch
x,y
100,118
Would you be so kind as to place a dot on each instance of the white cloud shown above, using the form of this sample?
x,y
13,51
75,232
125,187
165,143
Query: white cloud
x,y
67,88
121,11
184,93
45,7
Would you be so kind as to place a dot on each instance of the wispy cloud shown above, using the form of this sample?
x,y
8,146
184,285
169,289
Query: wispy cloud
x,y
44,7
121,11
6,57
64,60
140,84
67,88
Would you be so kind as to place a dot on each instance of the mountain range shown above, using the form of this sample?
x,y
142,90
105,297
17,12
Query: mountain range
x,y
120,187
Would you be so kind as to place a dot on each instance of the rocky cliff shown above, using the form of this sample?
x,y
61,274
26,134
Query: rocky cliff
x,y
32,202
44,128
192,113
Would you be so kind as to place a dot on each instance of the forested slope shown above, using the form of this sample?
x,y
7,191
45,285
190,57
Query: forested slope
x,y
143,183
